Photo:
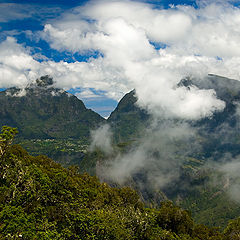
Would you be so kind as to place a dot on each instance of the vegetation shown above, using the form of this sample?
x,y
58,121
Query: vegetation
x,y
39,199
65,151
209,203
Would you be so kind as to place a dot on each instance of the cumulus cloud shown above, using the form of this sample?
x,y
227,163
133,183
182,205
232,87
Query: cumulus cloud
x,y
196,42
18,67
127,35
212,30
145,48
16,64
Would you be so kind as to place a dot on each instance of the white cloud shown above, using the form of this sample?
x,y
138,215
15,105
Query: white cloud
x,y
16,64
159,25
157,155
198,42
86,94
102,139
123,31
230,168
18,67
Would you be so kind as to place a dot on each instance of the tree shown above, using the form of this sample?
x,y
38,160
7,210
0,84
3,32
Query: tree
x,y
232,231
174,219
6,138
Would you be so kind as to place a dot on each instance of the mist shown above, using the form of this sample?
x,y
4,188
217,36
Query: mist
x,y
139,47
155,159
229,167
101,138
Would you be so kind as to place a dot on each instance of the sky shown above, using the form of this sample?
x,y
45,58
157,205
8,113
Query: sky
x,y
100,50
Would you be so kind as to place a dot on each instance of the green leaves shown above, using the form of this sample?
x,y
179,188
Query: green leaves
x,y
6,138
232,231
39,199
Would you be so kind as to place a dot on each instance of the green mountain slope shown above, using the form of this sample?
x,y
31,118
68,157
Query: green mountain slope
x,y
127,120
44,112
54,123
220,133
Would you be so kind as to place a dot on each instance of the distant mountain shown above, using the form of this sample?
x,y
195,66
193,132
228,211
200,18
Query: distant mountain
x,y
128,120
56,123
42,111
219,133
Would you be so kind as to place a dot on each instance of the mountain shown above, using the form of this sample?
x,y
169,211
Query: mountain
x,y
128,120
219,134
55,123
50,121
41,111
216,142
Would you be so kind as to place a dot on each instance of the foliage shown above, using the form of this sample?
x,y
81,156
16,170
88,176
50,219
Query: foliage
x,y
232,231
209,202
6,138
45,112
54,123
39,199
128,120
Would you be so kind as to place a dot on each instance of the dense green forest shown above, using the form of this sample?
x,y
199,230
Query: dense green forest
x,y
39,199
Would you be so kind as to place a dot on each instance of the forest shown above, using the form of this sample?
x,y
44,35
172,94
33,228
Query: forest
x,y
39,199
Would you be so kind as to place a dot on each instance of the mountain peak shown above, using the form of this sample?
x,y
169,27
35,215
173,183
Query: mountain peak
x,y
43,82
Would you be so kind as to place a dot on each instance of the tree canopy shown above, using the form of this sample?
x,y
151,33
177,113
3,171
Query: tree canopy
x,y
39,199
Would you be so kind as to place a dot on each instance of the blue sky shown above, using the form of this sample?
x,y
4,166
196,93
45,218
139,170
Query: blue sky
x,y
45,34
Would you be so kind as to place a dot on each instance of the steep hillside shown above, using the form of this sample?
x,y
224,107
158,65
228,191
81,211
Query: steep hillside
x,y
219,134
128,120
57,124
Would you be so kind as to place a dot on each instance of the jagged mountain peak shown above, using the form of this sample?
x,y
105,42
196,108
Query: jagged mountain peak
x,y
39,87
44,85
185,82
